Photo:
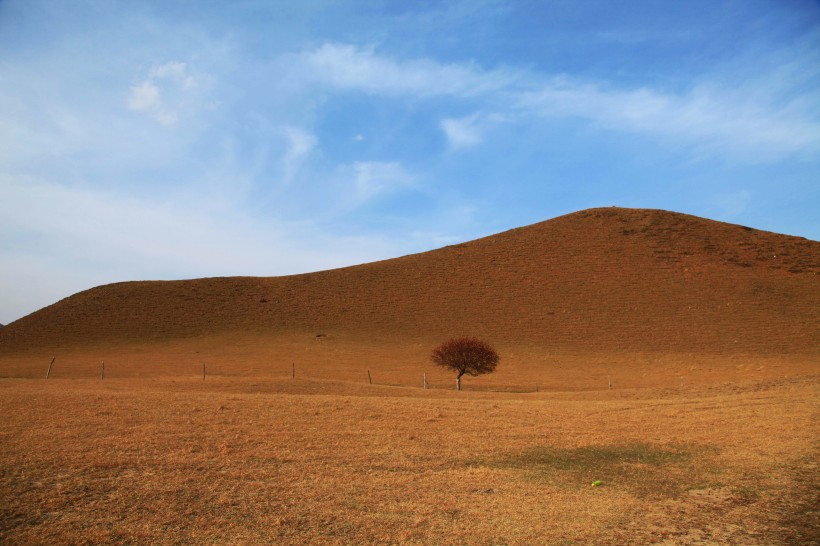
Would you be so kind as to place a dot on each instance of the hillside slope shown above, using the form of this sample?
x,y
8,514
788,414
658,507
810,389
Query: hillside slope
x,y
607,279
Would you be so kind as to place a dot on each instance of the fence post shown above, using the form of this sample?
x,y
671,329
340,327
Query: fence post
x,y
610,382
203,371
293,370
49,366
102,370
425,380
369,378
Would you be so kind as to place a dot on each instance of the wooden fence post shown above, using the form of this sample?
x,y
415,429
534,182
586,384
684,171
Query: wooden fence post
x,y
203,371
369,378
49,366
102,370
425,380
293,370
610,382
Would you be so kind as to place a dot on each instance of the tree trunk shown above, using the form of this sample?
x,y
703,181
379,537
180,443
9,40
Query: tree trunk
x,y
458,382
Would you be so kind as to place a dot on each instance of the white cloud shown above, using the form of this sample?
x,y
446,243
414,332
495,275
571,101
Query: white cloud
x,y
144,96
299,145
175,71
349,67
709,119
719,119
462,132
166,93
374,178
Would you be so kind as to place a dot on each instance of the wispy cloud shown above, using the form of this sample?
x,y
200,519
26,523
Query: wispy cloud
x,y
144,96
710,118
350,67
167,91
462,132
375,178
299,145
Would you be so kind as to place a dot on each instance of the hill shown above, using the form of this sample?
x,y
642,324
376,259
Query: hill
x,y
608,281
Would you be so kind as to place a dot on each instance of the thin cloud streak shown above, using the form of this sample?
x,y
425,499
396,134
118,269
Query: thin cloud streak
x,y
374,178
168,91
349,67
300,144
462,132
710,119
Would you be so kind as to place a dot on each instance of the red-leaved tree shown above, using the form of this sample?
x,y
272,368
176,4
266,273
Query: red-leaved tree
x,y
465,355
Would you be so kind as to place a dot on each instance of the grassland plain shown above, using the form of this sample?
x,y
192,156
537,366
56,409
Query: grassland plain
x,y
248,460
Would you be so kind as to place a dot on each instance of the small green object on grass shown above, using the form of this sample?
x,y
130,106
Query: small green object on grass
x,y
597,483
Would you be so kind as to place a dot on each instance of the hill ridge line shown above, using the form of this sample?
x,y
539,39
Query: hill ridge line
x,y
610,278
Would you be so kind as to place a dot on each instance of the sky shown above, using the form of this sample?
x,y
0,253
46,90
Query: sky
x,y
182,139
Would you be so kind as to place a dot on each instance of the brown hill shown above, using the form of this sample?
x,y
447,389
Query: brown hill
x,y
607,280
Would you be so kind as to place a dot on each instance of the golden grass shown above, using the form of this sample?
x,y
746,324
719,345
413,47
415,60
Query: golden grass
x,y
400,363
273,460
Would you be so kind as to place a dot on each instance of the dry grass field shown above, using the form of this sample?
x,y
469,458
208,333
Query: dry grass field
x,y
708,333
277,460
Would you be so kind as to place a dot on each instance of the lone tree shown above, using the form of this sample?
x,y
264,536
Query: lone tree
x,y
465,355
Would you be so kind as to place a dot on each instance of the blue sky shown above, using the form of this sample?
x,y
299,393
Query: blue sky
x,y
171,139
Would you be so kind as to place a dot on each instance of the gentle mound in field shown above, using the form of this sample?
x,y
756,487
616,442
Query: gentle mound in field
x,y
609,281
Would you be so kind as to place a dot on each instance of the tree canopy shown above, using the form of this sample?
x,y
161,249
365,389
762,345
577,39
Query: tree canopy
x,y
465,356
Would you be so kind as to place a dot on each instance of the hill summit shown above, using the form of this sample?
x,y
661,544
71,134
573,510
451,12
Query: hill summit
x,y
603,280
